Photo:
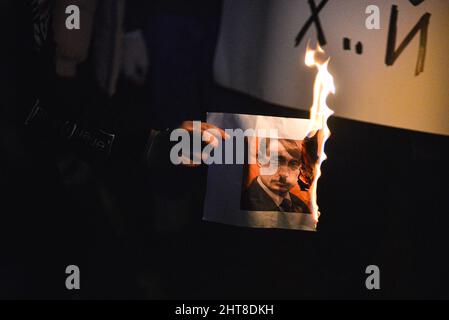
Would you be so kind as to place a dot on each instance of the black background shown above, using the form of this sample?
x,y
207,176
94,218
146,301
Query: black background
x,y
137,232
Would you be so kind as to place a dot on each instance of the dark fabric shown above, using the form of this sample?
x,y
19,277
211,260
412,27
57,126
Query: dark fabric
x,y
37,226
286,206
256,199
181,37
138,12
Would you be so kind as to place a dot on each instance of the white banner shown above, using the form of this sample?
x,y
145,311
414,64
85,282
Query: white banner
x,y
257,55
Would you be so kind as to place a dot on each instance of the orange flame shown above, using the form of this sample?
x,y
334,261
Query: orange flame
x,y
319,113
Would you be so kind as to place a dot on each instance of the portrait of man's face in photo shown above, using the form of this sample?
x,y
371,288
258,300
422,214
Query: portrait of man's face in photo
x,y
272,183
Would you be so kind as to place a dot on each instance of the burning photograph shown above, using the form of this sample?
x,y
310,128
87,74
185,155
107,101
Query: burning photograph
x,y
275,184
285,189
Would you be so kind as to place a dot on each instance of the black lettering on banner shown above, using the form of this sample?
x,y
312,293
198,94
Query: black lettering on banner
x,y
313,19
421,26
416,2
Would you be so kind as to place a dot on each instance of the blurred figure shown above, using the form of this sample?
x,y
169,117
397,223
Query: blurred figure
x,y
99,106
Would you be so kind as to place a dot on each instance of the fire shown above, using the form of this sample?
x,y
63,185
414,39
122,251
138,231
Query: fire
x,y
319,113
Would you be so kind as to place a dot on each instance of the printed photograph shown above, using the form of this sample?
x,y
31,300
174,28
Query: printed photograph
x,y
284,188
